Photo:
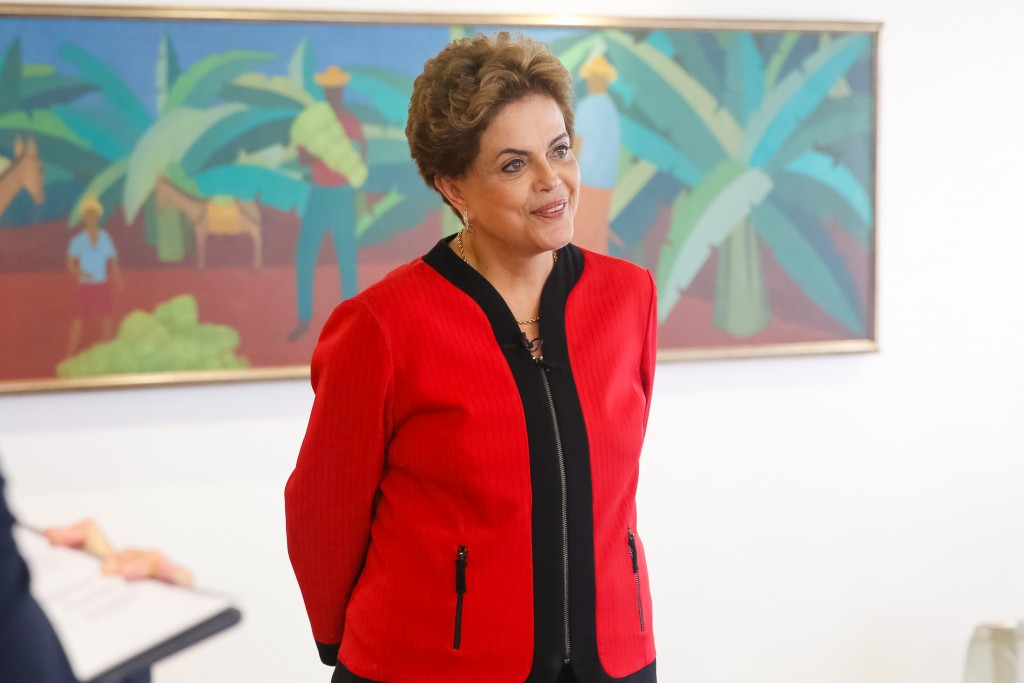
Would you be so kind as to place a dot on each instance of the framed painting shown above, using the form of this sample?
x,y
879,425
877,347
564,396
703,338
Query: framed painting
x,y
185,195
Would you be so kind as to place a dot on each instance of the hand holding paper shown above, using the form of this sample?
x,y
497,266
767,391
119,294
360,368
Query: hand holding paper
x,y
111,627
131,563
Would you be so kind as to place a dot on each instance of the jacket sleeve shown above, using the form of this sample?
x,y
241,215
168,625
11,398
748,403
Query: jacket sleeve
x,y
330,494
649,356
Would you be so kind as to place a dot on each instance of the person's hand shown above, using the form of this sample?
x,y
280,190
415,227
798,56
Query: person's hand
x,y
86,535
130,563
134,564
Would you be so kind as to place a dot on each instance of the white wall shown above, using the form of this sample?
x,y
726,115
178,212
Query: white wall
x,y
833,519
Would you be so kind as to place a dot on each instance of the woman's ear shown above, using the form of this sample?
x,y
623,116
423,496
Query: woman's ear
x,y
450,189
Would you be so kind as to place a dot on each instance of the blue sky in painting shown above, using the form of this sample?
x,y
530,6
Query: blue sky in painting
x,y
130,46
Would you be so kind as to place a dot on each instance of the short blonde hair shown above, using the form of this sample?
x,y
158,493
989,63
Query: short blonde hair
x,y
465,86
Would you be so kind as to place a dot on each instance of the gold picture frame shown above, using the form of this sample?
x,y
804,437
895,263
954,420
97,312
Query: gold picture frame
x,y
742,174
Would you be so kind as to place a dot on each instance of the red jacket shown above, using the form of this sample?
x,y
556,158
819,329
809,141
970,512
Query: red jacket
x,y
460,512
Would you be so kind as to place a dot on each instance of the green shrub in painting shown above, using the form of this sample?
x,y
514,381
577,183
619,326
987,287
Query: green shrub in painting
x,y
170,339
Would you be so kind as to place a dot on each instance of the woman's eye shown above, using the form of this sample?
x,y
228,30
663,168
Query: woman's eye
x,y
513,166
562,151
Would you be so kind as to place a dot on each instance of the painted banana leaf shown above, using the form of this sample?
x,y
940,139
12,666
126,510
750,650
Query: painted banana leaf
x,y
822,240
573,51
277,157
804,262
302,69
107,135
201,85
276,188
386,146
41,123
260,90
125,106
368,115
837,178
107,186
369,217
702,220
629,184
10,78
796,97
247,130
41,92
182,180
833,123
27,87
688,49
167,141
744,75
81,162
59,146
779,58
651,146
633,221
168,68
404,178
686,108
411,211
823,203
388,91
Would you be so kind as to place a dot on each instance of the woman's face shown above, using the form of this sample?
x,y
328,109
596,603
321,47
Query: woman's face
x,y
522,189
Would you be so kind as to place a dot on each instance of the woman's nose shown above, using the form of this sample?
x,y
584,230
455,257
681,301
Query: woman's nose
x,y
547,177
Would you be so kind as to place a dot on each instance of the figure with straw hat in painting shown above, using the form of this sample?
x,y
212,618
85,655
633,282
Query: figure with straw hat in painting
x,y
91,258
597,149
329,141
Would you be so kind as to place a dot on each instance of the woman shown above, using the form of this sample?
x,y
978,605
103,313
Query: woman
x,y
462,508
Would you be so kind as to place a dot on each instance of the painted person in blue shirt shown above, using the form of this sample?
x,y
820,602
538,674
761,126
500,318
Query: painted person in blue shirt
x,y
91,258
597,147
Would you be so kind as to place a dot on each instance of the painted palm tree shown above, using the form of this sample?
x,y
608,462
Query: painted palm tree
x,y
392,198
141,147
30,96
221,130
755,147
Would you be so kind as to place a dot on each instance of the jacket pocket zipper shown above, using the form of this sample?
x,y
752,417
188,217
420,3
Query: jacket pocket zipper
x,y
460,590
636,576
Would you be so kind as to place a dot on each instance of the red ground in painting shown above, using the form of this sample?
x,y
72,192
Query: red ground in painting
x,y
795,318
36,290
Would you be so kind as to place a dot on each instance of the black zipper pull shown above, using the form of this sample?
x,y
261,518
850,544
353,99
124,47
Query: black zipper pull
x,y
531,345
632,551
460,589
460,570
636,578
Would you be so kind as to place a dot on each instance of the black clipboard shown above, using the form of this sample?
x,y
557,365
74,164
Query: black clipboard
x,y
88,611
202,631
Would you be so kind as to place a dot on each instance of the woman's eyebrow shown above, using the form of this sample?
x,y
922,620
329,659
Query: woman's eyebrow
x,y
523,152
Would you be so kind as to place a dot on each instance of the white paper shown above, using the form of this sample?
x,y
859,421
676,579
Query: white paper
x,y
103,621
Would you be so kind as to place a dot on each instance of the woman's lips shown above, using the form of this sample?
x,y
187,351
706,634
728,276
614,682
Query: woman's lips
x,y
553,210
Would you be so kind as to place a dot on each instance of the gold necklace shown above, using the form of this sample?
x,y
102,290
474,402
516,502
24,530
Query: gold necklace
x,y
462,253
